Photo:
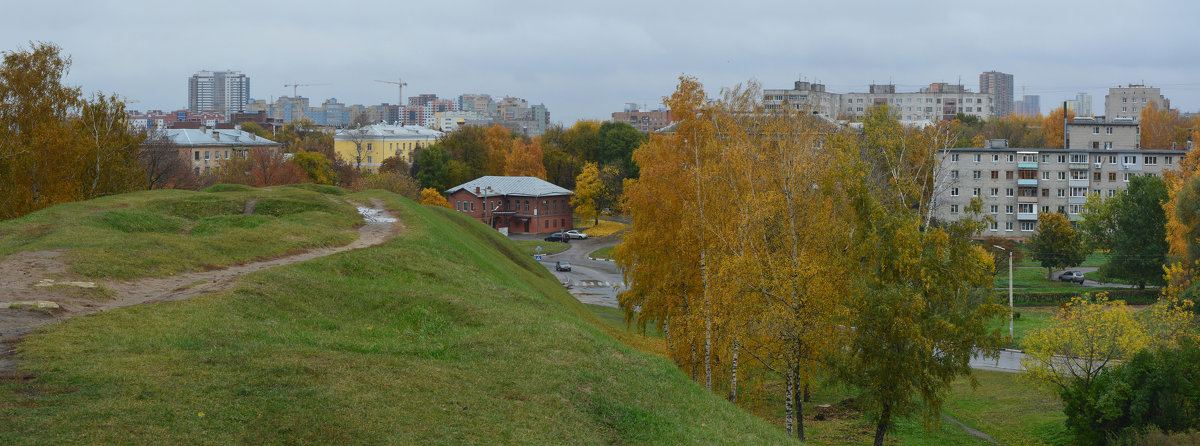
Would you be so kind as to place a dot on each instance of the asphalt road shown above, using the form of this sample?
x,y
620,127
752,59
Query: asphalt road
x,y
594,282
598,282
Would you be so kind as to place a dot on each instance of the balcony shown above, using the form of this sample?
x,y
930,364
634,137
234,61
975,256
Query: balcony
x,y
1027,216
1075,217
1027,165
1077,183
1027,182
1023,199
1077,200
1079,165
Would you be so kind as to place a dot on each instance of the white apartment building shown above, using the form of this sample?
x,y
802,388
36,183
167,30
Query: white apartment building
x,y
1016,184
938,102
224,92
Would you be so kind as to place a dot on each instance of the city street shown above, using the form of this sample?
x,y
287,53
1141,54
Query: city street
x,y
594,282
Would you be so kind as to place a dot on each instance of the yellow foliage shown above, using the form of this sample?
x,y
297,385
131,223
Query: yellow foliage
x,y
431,197
1086,336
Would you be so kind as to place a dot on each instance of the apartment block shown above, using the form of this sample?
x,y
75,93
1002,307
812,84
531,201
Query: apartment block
x,y
1029,104
1086,133
644,120
1000,85
938,102
224,92
1129,101
1016,184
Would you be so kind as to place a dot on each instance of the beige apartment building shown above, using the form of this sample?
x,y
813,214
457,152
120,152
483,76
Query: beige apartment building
x,y
1015,184
1129,101
1086,133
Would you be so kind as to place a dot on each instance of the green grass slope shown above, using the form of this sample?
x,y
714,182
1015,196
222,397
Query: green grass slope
x,y
445,335
163,232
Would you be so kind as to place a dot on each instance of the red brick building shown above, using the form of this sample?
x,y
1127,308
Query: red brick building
x,y
521,204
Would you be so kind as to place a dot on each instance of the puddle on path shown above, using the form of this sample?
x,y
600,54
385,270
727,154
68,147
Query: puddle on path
x,y
372,215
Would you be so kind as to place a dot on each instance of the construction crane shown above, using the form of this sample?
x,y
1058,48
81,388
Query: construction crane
x,y
294,86
399,88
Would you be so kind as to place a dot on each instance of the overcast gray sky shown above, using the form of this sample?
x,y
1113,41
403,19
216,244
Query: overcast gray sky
x,y
584,60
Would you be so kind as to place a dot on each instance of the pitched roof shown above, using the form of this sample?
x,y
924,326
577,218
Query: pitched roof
x,y
216,138
511,186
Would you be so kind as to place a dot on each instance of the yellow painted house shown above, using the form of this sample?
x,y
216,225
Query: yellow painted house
x,y
368,146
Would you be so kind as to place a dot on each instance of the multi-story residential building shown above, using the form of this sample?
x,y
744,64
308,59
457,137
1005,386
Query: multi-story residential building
x,y
225,92
1086,133
1016,184
938,102
1129,101
804,96
450,121
367,147
644,120
1000,85
517,204
1029,104
205,148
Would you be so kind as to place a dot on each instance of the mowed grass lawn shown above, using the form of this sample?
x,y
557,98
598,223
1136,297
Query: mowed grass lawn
x,y
602,253
448,334
530,247
1032,318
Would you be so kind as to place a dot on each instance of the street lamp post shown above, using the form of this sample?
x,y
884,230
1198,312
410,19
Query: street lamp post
x,y
1010,290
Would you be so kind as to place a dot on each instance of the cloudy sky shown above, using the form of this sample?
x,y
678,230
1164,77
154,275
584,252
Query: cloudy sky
x,y
585,60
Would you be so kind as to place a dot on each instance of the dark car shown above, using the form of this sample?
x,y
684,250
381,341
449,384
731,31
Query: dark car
x,y
562,266
1071,276
559,237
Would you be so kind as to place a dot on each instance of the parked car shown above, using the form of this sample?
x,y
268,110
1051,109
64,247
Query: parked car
x,y
562,266
576,234
559,237
1071,276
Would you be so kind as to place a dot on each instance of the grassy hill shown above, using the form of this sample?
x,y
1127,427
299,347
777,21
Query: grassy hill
x,y
447,334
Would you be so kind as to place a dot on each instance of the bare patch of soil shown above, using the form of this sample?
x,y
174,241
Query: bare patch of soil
x,y
21,271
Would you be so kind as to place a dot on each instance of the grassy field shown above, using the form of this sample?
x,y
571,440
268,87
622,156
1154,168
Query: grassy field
x,y
1031,319
445,335
602,253
1095,259
604,229
616,317
530,246
163,232
1008,409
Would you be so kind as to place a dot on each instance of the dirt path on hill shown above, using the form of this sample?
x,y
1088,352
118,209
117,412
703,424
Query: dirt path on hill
x,y
23,283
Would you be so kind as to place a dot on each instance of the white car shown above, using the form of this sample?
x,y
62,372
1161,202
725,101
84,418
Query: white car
x,y
576,234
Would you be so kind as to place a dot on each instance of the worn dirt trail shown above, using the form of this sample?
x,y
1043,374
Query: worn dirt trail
x,y
21,272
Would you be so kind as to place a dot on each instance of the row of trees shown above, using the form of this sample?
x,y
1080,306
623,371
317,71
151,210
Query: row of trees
x,y
558,156
1119,373
1161,129
58,146
777,237
55,144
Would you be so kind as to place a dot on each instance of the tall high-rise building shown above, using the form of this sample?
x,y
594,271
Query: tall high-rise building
x,y
1000,85
225,92
1030,105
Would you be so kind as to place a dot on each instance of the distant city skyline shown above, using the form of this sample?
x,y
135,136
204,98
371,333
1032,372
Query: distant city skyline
x,y
585,62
